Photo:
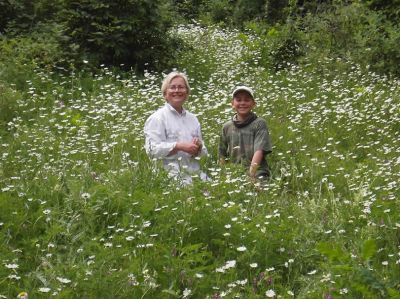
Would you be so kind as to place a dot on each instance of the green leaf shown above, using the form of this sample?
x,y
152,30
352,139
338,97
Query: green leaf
x,y
393,293
369,249
273,32
333,253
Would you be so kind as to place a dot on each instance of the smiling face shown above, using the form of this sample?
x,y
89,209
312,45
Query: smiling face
x,y
176,93
243,103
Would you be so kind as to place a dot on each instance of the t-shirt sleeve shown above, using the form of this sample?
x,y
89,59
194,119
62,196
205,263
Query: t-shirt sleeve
x,y
223,144
262,140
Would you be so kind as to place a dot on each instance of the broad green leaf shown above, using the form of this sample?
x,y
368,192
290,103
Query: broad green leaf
x,y
333,253
368,249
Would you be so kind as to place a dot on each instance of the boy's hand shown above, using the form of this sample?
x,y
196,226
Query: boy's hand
x,y
253,170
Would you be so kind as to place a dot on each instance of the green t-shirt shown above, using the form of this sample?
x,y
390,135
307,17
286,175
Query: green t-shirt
x,y
240,144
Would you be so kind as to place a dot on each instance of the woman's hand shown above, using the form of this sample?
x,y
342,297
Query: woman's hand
x,y
192,148
199,143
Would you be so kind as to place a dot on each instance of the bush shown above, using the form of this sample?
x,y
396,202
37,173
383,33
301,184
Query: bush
x,y
280,45
379,46
22,54
217,12
41,47
189,10
8,107
391,9
277,11
247,10
288,48
23,16
132,33
120,32
355,33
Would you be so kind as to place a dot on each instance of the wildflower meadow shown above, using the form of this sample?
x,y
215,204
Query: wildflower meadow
x,y
84,213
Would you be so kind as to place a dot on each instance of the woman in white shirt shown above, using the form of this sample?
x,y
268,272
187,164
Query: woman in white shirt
x,y
173,134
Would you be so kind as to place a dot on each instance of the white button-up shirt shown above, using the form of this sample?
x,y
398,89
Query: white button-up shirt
x,y
163,129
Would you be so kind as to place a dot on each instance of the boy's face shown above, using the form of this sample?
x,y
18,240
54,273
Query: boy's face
x,y
176,93
243,103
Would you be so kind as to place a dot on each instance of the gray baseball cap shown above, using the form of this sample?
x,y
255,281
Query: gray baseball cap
x,y
243,88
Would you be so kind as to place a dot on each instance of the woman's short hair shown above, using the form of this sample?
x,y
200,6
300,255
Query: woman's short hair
x,y
167,81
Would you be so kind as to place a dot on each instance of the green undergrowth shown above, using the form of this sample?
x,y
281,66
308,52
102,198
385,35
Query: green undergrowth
x,y
85,213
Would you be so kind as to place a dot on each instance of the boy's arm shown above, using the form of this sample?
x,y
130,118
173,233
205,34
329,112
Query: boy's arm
x,y
222,148
255,162
262,143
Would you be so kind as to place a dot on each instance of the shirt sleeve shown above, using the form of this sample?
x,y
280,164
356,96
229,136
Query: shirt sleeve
x,y
262,140
156,144
223,145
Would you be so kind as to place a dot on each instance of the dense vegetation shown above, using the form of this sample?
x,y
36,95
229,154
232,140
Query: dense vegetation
x,y
85,213
133,33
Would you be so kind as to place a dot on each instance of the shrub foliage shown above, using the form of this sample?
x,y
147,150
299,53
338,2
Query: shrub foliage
x,y
119,32
133,33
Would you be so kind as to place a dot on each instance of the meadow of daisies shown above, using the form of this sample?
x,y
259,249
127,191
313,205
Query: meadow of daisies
x,y
85,214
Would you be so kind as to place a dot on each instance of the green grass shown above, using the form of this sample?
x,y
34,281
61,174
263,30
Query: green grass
x,y
85,214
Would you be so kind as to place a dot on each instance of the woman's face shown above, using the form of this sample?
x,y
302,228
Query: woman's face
x,y
176,93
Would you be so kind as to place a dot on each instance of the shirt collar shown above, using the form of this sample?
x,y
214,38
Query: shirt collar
x,y
172,109
240,124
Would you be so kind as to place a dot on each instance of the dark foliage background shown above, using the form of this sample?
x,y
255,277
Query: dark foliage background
x,y
127,32
135,34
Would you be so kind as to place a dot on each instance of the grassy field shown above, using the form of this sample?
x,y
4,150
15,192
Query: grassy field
x,y
85,214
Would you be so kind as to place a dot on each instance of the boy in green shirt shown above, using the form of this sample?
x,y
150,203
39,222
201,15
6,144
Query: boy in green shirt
x,y
245,139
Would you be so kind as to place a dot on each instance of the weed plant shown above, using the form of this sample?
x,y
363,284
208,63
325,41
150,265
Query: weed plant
x,y
84,213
